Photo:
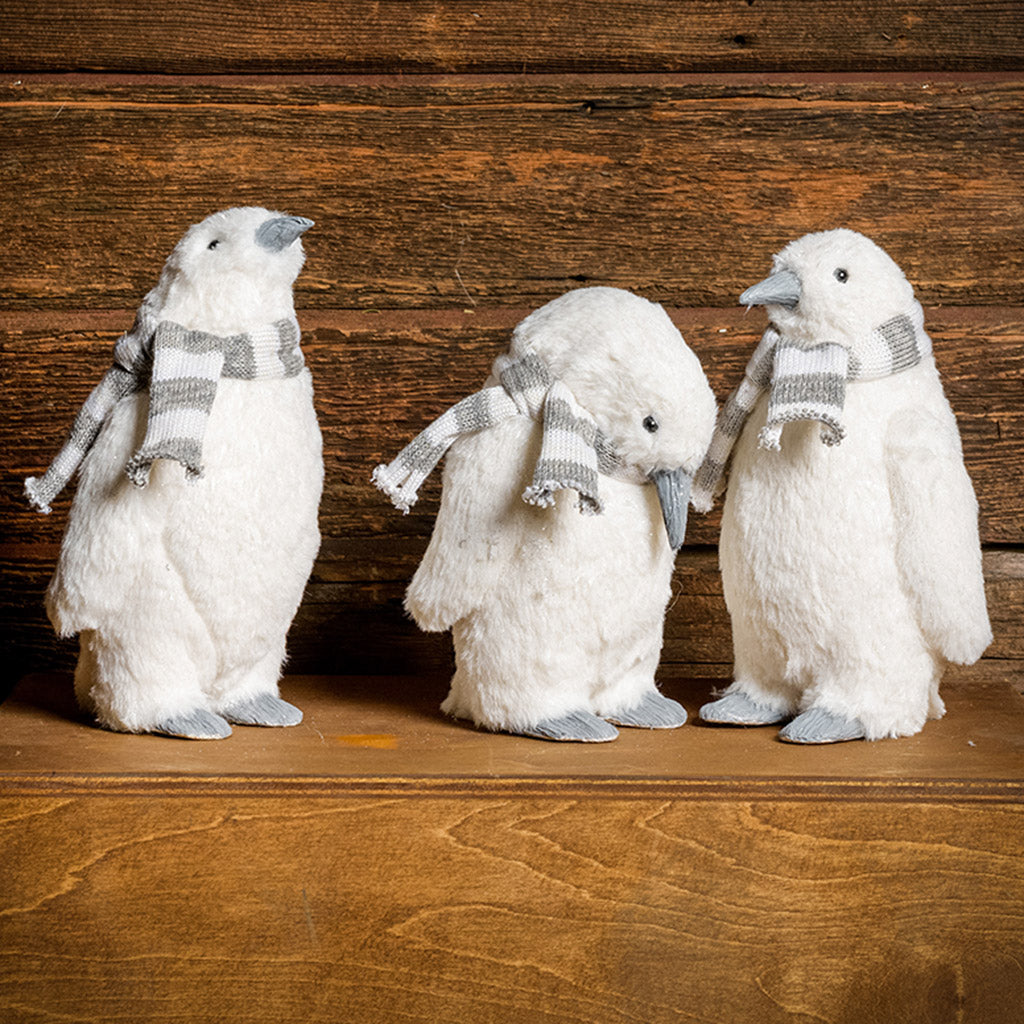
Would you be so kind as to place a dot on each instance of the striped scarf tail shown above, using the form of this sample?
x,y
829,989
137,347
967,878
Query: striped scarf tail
x,y
568,453
807,384
709,481
182,387
400,479
573,451
117,382
181,367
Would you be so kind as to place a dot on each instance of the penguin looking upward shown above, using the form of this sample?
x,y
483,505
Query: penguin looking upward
x,y
194,525
851,568
555,590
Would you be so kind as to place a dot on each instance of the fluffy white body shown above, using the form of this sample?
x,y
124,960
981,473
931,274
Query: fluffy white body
x,y
553,612
183,591
853,573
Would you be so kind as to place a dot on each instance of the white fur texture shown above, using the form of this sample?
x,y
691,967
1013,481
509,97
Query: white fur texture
x,y
853,573
552,611
183,591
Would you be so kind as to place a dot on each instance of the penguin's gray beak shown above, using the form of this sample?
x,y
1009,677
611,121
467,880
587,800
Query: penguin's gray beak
x,y
673,486
781,289
279,232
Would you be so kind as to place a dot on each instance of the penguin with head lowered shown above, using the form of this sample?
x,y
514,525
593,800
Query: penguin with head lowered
x,y
194,525
564,497
849,547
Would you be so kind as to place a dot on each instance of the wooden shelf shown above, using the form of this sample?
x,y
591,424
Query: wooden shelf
x,y
367,734
382,863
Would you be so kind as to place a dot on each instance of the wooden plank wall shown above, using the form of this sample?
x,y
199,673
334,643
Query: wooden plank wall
x,y
466,162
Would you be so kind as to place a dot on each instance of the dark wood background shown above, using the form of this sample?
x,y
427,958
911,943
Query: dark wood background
x,y
466,162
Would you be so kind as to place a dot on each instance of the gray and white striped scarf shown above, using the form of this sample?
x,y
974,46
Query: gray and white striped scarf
x,y
805,384
181,369
573,451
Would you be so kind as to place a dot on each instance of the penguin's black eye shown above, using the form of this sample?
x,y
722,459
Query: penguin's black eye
x,y
650,425
214,244
840,275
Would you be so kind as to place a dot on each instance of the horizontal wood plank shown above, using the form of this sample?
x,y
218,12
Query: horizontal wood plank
x,y
381,862
467,910
369,736
360,36
458,193
357,626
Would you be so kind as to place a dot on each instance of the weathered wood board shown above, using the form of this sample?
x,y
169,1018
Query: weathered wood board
x,y
466,36
457,193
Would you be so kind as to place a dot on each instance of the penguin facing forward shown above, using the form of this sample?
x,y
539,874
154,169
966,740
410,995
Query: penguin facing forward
x,y
849,549
564,498
194,525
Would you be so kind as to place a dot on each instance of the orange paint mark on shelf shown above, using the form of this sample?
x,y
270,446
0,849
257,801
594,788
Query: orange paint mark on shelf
x,y
380,740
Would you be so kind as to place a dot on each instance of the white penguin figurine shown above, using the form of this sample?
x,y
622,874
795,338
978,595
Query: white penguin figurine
x,y
851,568
182,575
551,559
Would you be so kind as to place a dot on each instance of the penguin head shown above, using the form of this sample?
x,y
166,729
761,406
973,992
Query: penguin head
x,y
626,363
234,269
831,286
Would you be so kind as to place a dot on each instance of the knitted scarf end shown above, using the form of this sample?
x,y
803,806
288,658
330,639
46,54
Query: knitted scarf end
x,y
402,498
543,496
703,501
770,438
32,493
138,468
540,495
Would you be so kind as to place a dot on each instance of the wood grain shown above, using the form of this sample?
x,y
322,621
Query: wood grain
x,y
452,875
380,863
360,36
381,735
452,193
481,910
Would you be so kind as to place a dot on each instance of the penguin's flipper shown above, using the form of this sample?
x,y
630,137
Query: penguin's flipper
x,y
937,548
478,526
738,709
198,724
653,711
816,725
575,727
262,709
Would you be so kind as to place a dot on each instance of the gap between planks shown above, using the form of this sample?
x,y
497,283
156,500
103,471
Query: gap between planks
x,y
542,78
496,316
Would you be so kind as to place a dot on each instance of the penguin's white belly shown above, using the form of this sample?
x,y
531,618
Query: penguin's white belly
x,y
241,538
808,539
572,619
588,589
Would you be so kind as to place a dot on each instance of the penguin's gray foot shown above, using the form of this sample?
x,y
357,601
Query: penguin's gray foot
x,y
263,709
652,712
577,726
738,709
816,725
198,724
